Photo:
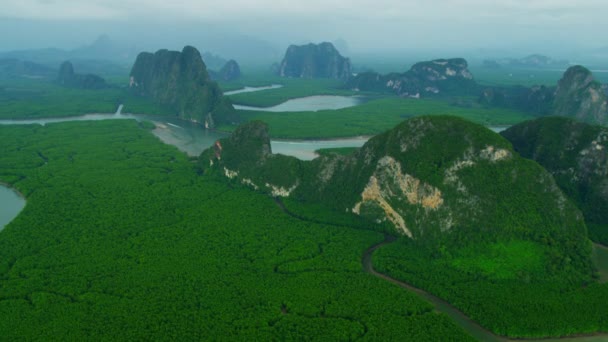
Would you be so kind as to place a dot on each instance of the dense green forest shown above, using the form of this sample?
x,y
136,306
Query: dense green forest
x,y
490,286
515,257
24,98
121,239
575,154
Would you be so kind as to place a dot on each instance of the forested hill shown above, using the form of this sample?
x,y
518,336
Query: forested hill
x,y
436,77
315,61
180,81
441,180
576,155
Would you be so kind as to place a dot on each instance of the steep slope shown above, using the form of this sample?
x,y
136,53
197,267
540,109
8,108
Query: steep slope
x,y
576,154
67,77
579,96
229,72
441,76
180,81
438,180
315,61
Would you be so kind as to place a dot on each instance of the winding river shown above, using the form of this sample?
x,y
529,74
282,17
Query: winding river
x,y
470,326
192,139
458,316
247,89
11,204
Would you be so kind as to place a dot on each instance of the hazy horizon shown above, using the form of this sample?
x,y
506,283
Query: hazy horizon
x,y
236,28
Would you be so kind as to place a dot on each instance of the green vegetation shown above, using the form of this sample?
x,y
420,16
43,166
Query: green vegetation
x,y
251,78
122,239
180,81
493,234
513,306
292,88
509,76
502,260
25,98
371,118
343,151
315,61
575,153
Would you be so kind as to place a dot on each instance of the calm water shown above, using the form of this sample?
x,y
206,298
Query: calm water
x,y
193,139
253,89
310,104
305,150
10,205
498,129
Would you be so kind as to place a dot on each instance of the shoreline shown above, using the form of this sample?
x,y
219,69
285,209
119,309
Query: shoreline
x,y
13,189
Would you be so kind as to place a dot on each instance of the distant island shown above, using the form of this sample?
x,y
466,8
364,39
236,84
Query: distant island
x,y
67,77
441,76
181,81
314,61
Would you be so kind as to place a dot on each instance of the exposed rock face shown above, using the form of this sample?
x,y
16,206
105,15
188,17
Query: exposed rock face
x,y
229,72
180,81
577,156
441,76
315,61
578,95
431,178
68,78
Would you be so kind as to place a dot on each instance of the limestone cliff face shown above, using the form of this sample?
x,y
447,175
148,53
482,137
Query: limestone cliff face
x,y
577,156
315,61
180,81
430,178
441,76
67,77
578,95
229,72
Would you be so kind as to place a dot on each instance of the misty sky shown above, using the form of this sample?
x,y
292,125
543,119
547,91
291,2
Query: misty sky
x,y
365,24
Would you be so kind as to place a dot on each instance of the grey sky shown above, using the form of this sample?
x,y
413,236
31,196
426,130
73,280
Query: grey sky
x,y
365,24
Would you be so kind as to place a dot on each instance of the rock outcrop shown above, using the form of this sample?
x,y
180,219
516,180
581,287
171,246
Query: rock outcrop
x,y
579,96
179,80
229,72
68,78
437,77
576,154
315,61
430,178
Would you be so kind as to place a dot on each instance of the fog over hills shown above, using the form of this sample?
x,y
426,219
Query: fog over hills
x,y
260,30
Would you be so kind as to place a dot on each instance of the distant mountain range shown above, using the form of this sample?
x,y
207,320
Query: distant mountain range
x,y
531,61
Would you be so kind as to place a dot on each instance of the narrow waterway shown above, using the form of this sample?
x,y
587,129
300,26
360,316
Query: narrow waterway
x,y
472,327
247,89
